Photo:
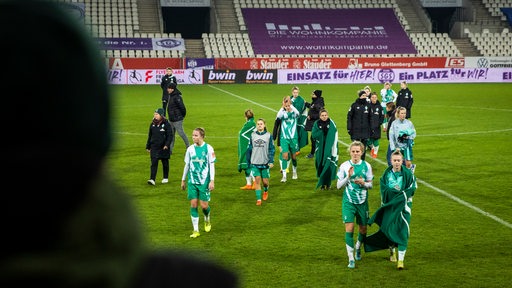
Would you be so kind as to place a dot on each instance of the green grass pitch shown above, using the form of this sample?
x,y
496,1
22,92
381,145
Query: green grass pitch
x,y
461,231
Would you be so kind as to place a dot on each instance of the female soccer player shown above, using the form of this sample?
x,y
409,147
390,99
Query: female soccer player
x,y
200,169
260,156
357,177
397,187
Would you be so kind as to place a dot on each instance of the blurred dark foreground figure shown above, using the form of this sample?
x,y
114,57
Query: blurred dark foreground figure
x,y
66,224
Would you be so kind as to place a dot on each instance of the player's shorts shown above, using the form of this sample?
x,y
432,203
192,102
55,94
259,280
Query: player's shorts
x,y
263,172
198,191
360,212
289,145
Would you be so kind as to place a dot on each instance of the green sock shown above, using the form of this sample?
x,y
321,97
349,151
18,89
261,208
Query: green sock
x,y
194,212
258,194
361,237
349,239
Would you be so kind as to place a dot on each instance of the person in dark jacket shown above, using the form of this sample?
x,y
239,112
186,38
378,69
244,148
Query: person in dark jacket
x,y
404,98
376,120
158,145
166,80
317,104
177,112
358,120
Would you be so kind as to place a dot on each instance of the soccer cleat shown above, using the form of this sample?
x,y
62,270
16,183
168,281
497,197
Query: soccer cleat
x,y
246,187
253,186
400,265
151,182
265,196
351,264
195,234
297,153
413,167
258,202
310,156
207,226
358,254
283,180
295,176
165,180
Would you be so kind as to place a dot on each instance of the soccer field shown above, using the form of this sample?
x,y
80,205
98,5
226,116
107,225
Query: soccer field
x,y
461,231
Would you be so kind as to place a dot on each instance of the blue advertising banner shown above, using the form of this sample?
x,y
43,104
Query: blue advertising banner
x,y
141,43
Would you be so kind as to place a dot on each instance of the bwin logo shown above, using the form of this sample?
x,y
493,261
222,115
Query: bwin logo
x,y
259,76
168,43
221,76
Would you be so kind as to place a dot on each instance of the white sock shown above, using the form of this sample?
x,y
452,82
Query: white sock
x,y
350,252
195,223
401,255
375,149
249,180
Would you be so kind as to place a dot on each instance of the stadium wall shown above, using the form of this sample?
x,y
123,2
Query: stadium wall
x,y
314,70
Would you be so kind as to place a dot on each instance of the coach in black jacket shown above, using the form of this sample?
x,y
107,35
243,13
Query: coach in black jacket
x,y
166,80
177,111
358,120
317,104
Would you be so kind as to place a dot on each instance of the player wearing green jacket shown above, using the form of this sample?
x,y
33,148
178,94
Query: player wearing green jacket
x,y
299,103
325,135
244,136
397,187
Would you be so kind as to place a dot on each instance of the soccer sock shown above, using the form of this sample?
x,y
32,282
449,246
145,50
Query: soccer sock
x,y
258,194
349,239
194,215
284,165
401,255
206,212
294,164
195,223
360,240
249,180
375,150
265,188
349,244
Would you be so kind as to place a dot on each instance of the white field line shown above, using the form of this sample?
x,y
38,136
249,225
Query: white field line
x,y
450,196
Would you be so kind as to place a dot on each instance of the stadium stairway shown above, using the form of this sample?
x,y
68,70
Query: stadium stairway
x,y
150,16
226,16
195,48
413,13
466,47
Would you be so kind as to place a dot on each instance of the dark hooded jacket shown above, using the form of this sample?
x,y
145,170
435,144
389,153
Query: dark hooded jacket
x,y
317,104
358,120
176,109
